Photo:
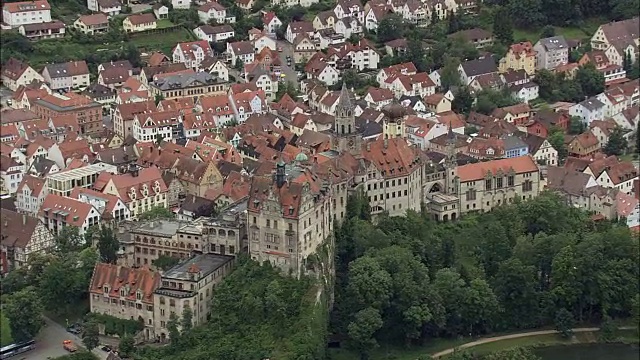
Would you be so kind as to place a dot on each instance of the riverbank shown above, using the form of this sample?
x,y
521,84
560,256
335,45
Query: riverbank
x,y
543,338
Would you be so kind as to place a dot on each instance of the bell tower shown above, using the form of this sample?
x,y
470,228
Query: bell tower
x,y
450,164
346,134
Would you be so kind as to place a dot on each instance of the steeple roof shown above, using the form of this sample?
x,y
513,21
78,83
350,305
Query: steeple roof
x,y
344,101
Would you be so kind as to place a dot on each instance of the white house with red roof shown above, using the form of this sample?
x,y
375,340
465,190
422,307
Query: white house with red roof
x,y
191,54
628,207
271,22
419,84
247,103
16,14
377,97
11,173
16,73
363,55
400,69
216,12
219,107
111,207
194,124
151,125
58,211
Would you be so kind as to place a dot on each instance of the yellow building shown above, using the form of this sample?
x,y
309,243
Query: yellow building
x,y
139,22
520,56
393,124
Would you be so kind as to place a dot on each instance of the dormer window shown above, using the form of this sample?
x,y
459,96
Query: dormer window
x,y
122,292
106,288
139,295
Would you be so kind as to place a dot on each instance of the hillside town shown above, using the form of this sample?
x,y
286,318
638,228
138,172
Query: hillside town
x,y
251,140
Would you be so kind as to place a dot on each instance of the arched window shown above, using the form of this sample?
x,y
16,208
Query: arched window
x,y
231,233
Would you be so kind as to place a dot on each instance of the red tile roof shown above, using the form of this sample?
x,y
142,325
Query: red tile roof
x,y
26,6
77,210
477,171
127,184
117,277
35,184
139,19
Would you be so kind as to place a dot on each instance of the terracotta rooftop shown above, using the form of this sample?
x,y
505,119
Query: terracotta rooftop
x,y
478,171
115,278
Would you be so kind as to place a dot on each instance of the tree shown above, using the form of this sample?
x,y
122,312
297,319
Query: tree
x,y
449,76
517,353
576,126
64,282
165,262
502,25
453,23
172,327
362,330
108,245
69,240
132,54
564,322
287,88
91,335
617,143
556,139
187,318
157,212
548,31
126,345
607,329
463,101
590,79
158,98
390,28
159,139
526,13
24,310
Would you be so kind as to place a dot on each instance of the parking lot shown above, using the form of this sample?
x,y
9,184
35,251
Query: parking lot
x,y
49,343
288,71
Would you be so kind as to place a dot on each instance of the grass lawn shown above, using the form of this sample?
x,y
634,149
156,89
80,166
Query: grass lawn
x,y
164,23
629,157
162,42
385,352
588,29
5,331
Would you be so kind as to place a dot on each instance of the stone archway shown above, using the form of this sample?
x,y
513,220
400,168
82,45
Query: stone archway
x,y
435,188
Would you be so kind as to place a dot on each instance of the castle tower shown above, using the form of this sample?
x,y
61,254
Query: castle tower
x,y
451,164
347,138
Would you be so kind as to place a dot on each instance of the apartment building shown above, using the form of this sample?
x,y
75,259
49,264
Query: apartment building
x,y
30,195
125,113
139,189
189,284
11,173
62,183
111,208
67,76
618,38
85,111
16,14
125,293
58,212
551,52
166,125
521,56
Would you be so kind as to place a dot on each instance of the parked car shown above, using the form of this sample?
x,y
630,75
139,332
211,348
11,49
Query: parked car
x,y
106,348
68,345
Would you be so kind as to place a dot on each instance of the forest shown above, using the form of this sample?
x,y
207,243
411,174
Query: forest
x,y
409,280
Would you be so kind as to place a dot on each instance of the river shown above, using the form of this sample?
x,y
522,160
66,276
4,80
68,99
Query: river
x,y
590,352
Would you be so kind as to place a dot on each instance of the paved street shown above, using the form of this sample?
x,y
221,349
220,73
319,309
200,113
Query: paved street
x,y
49,343
289,71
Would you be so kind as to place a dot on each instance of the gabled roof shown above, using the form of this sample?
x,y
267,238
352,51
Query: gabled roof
x,y
72,211
480,66
17,229
17,7
139,19
94,19
211,5
71,68
14,68
129,280
477,171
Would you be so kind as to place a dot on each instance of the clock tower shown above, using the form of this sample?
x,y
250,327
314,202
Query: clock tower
x,y
346,137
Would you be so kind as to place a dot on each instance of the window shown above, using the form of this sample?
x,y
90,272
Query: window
x,y
487,184
510,180
268,223
471,195
161,300
527,185
499,183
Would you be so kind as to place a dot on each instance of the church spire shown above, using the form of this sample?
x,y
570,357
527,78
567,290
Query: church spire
x,y
344,102
451,148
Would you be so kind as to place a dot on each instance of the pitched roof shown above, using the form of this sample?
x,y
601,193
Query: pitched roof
x,y
211,5
71,68
472,35
139,19
554,43
126,184
94,19
477,171
214,30
393,157
587,139
242,47
24,6
130,280
74,212
14,68
480,66
17,229
569,181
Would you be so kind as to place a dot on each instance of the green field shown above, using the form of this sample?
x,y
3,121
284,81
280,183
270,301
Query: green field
x,y
164,23
162,42
586,31
5,331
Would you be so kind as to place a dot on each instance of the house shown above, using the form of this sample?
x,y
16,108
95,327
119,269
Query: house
x,y
514,146
583,145
378,98
419,84
620,175
50,30
247,103
546,119
588,110
541,150
360,56
92,24
375,14
613,73
621,35
214,33
66,76
16,73
303,49
321,70
602,129
16,14
263,81
160,11
241,50
396,47
114,77
581,191
213,11
180,4
58,212
11,173
22,236
86,112
437,103
191,54
110,8
515,114
628,208
520,56
477,37
551,52
271,22
471,69
245,4
298,27
139,22
217,68
110,207
525,92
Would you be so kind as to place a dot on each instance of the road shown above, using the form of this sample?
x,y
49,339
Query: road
x,y
49,343
289,71
515,336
